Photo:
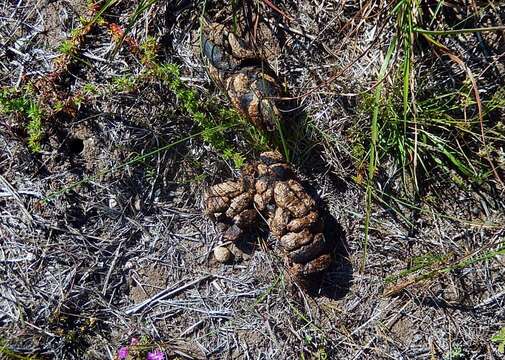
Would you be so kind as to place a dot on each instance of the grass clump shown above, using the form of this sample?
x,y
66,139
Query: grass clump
x,y
439,139
425,130
424,136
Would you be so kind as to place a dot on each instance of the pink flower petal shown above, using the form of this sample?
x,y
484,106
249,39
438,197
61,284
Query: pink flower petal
x,y
122,352
155,355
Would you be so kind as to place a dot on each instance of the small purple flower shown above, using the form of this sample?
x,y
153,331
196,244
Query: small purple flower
x,y
134,341
155,355
122,352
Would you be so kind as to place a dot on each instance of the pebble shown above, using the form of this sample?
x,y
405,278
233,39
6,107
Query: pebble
x,y
222,254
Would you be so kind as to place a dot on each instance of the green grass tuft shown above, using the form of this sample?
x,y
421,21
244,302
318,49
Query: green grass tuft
x,y
421,134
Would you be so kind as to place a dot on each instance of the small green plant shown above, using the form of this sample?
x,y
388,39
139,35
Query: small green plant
x,y
67,47
124,83
90,89
189,101
456,353
237,158
12,101
34,127
74,33
499,338
58,106
148,49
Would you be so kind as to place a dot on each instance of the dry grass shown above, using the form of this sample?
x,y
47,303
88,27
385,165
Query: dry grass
x,y
101,233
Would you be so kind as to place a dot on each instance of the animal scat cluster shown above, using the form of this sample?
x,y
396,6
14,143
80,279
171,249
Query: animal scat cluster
x,y
243,74
269,189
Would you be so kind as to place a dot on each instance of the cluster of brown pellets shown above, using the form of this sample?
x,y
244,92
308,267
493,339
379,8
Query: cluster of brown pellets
x,y
242,72
268,189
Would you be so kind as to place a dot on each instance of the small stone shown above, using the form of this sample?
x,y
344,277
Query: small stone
x,y
112,202
222,254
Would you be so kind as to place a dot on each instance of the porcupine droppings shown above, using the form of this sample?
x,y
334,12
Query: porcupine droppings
x,y
242,74
269,187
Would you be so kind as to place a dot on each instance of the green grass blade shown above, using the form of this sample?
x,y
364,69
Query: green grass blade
x,y
458,31
374,129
